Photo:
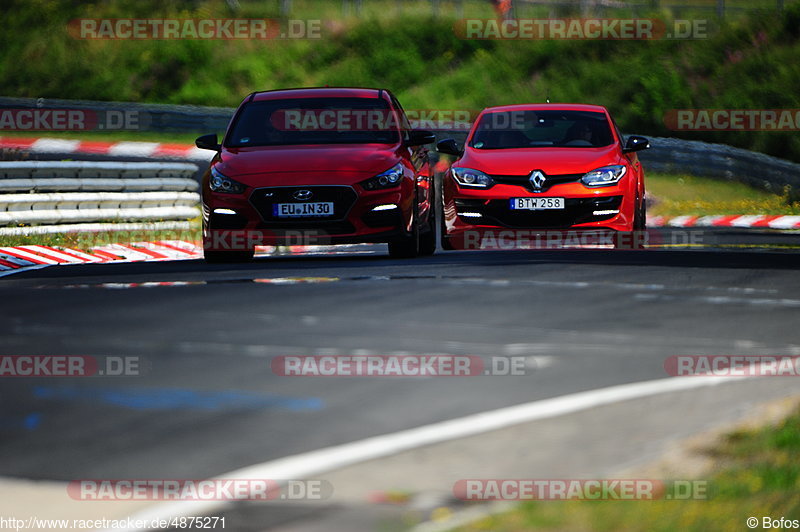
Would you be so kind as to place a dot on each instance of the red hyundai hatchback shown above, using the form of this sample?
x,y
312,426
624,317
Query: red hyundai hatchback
x,y
318,166
548,167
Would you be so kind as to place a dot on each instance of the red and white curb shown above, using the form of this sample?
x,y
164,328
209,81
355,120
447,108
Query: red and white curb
x,y
18,258
14,259
756,221
114,149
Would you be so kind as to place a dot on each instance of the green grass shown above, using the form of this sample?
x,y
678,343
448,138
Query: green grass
x,y
757,474
87,240
678,195
749,63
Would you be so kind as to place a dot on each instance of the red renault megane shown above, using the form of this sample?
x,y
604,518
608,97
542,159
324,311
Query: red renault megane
x,y
542,167
321,165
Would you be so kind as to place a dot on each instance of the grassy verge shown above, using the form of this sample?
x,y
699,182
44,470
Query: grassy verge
x,y
678,195
87,240
757,475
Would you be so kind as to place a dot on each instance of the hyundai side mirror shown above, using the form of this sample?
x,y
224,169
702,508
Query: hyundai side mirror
x,y
208,142
418,137
450,147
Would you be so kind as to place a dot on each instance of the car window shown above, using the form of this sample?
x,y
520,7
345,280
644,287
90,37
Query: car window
x,y
404,122
616,128
548,128
314,121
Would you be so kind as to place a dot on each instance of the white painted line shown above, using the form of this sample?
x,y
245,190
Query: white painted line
x,y
724,300
785,222
51,253
28,255
316,462
133,149
198,154
707,221
55,145
130,255
747,220
85,256
190,247
681,221
168,252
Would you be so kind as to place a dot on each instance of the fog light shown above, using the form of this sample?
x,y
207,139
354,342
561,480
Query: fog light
x,y
603,213
387,207
470,214
224,211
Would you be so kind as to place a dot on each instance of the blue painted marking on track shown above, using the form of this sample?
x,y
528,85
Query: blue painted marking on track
x,y
176,398
30,422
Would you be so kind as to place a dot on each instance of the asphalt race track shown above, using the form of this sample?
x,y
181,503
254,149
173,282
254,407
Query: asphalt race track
x,y
209,403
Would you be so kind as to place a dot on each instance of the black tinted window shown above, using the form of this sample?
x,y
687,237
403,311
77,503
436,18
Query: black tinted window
x,y
314,121
550,128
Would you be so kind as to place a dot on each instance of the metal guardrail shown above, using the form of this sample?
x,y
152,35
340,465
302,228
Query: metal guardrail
x,y
720,161
136,116
36,193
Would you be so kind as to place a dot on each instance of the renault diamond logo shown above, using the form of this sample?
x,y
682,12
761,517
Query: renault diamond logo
x,y
302,195
537,179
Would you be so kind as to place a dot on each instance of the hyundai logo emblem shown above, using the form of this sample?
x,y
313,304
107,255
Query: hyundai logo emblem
x,y
302,195
537,179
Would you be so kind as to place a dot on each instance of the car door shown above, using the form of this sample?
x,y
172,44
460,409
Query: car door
x,y
420,159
